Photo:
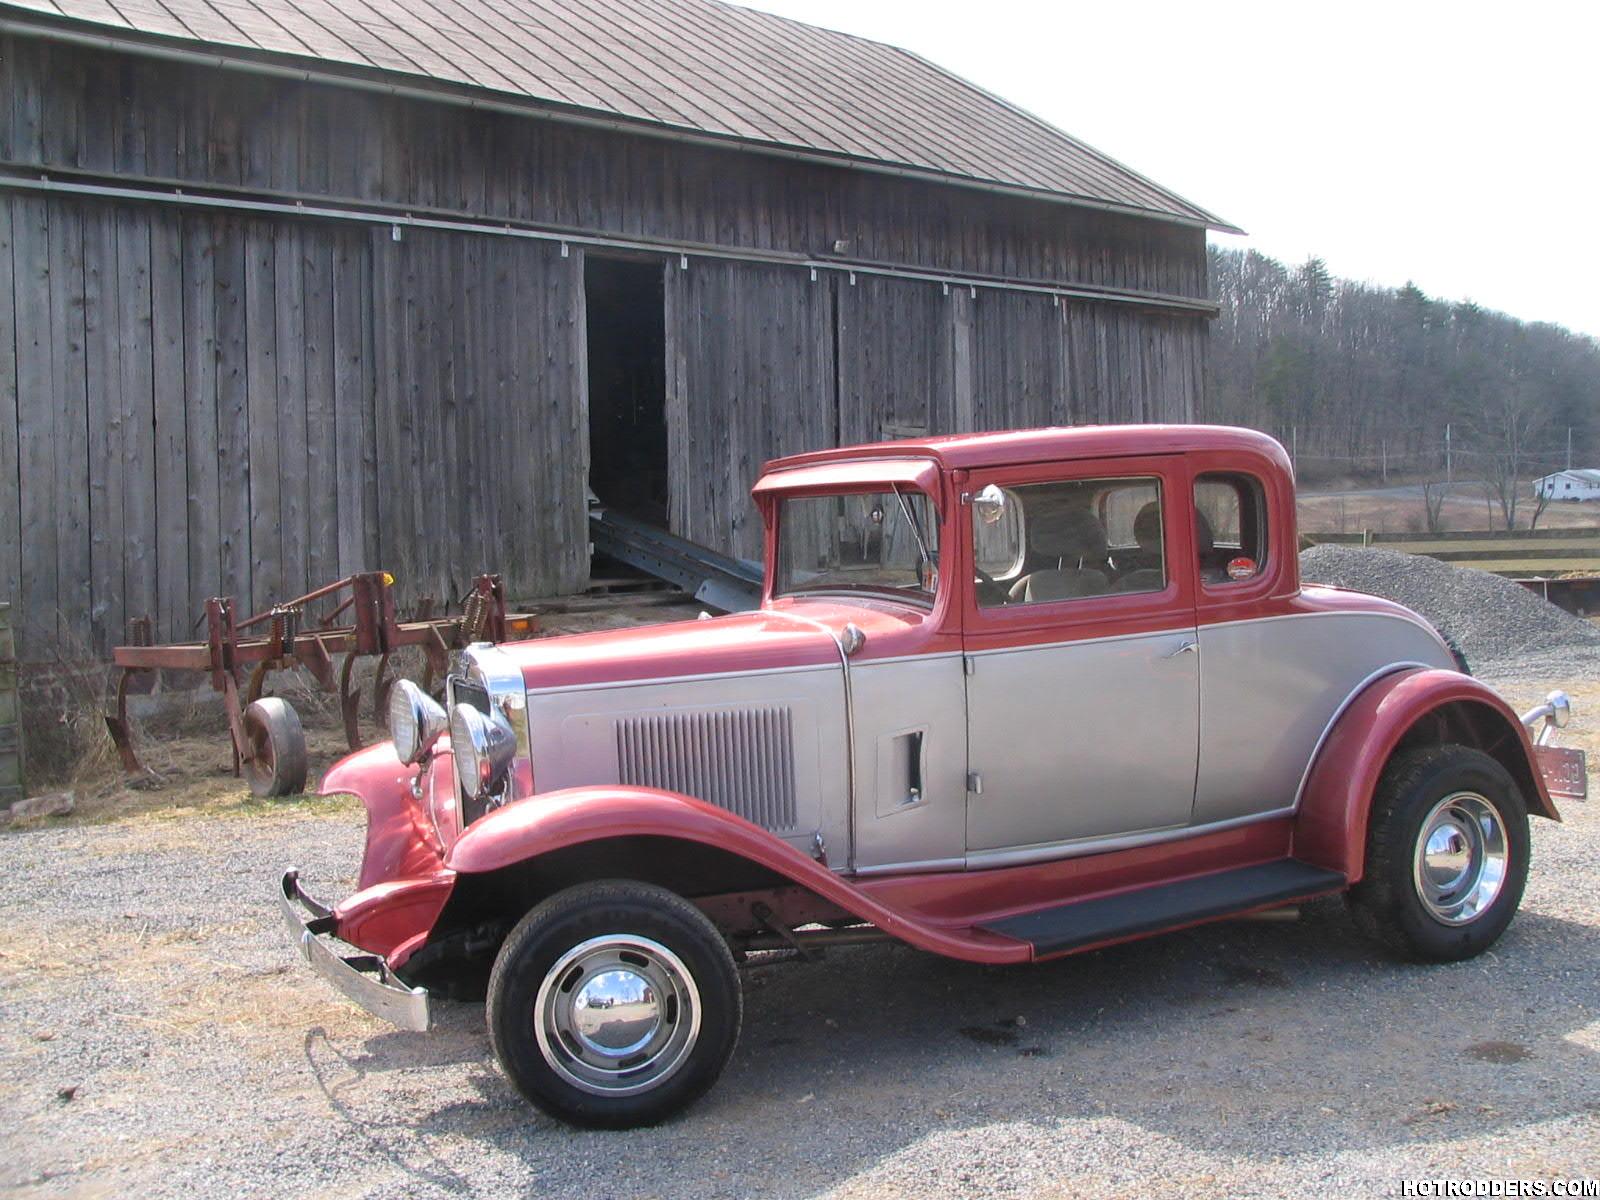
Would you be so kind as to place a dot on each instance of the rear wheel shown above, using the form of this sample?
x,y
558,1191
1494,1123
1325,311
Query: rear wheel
x,y
1447,854
614,1004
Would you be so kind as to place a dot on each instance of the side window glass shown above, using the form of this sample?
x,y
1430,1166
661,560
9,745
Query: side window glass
x,y
1070,540
1230,516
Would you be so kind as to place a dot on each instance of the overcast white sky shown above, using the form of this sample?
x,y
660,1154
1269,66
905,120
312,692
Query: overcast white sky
x,y
1456,145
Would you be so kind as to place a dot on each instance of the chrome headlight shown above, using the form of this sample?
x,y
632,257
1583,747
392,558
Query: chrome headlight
x,y
415,721
484,745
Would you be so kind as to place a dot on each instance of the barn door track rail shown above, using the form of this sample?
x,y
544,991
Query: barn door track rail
x,y
21,177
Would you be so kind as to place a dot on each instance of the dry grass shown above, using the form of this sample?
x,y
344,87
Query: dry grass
x,y
1462,511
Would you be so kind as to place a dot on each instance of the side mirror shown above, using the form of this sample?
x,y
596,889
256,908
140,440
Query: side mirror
x,y
990,504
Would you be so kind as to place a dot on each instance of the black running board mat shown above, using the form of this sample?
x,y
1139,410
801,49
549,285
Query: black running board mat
x,y
1166,906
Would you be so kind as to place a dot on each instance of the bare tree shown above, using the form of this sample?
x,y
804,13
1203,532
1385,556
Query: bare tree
x,y
1433,494
1505,427
1541,501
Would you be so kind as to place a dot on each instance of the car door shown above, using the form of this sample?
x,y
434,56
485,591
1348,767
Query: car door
x,y
1082,664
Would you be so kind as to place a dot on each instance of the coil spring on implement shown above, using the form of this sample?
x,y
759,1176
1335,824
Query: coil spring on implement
x,y
285,627
475,616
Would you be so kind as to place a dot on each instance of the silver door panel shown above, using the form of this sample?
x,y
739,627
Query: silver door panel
x,y
1082,739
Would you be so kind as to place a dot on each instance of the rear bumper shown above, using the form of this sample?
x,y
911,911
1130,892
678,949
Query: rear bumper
x,y
364,978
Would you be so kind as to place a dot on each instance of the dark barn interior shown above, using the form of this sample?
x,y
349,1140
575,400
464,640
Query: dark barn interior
x,y
627,333
282,299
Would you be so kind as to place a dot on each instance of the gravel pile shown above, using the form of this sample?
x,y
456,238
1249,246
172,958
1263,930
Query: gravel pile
x,y
1491,620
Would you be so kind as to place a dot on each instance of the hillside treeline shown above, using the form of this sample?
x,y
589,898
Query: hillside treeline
x,y
1353,374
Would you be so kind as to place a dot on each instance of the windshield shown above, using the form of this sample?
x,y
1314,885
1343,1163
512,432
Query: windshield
x,y
878,542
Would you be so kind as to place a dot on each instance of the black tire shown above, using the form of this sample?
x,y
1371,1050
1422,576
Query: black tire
x,y
605,916
278,745
1392,902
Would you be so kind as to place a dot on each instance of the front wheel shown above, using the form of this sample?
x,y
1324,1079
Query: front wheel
x,y
614,1004
1447,854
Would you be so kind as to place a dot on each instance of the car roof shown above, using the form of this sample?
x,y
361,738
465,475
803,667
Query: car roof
x,y
1054,444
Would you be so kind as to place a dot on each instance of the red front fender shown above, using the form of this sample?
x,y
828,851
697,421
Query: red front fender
x,y
552,821
1331,829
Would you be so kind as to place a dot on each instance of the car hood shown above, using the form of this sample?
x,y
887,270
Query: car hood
x,y
763,640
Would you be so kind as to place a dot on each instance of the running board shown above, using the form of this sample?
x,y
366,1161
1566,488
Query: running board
x,y
1083,923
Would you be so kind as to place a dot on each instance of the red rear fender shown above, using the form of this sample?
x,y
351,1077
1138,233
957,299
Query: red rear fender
x,y
1408,706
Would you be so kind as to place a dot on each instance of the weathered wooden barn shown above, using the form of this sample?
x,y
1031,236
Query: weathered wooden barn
x,y
291,288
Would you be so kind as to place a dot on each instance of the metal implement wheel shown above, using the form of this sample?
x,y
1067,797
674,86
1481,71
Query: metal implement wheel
x,y
614,1004
276,765
1447,854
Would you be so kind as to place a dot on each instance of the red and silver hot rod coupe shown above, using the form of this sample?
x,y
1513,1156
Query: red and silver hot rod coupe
x,y
1007,697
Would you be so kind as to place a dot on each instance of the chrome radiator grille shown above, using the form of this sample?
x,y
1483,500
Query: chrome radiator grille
x,y
741,760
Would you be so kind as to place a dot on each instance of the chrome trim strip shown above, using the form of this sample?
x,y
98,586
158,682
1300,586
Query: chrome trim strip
x,y
708,676
1047,851
657,680
930,864
1327,730
374,989
1030,647
1202,627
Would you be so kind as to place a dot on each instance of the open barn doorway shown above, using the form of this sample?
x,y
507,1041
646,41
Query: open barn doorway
x,y
626,324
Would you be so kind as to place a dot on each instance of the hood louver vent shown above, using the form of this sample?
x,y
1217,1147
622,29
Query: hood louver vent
x,y
741,760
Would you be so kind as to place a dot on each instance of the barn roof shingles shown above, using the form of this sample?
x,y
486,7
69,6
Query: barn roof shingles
x,y
701,66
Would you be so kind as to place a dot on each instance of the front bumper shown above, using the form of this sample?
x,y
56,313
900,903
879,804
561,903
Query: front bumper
x,y
364,978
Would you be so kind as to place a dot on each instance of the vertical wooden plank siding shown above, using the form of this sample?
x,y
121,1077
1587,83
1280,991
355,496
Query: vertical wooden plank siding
x,y
202,400
892,377
759,379
102,309
350,403
10,498
289,429
36,404
171,439
263,431
71,425
320,492
137,402
233,411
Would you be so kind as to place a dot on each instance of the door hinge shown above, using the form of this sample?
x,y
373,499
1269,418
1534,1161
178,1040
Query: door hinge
x,y
975,783
969,664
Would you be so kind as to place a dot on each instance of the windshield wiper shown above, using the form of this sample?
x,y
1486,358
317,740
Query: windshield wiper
x,y
924,558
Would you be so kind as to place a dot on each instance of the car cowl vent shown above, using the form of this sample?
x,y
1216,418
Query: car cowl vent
x,y
738,759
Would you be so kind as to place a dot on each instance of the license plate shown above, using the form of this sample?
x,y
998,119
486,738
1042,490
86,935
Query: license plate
x,y
1565,771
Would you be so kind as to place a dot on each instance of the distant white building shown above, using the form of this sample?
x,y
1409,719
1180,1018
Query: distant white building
x,y
1569,485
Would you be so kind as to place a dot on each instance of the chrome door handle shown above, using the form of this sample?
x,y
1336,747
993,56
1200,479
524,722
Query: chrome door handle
x,y
1188,647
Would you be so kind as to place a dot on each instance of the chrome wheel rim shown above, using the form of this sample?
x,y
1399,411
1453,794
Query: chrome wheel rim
x,y
1461,858
617,1015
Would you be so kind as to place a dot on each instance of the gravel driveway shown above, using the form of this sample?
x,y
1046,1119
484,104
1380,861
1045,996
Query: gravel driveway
x,y
159,1038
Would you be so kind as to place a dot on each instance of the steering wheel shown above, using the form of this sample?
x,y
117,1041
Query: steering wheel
x,y
984,576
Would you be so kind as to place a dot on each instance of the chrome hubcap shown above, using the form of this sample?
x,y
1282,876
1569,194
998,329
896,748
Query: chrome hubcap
x,y
617,1015
1461,858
